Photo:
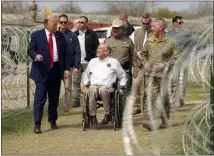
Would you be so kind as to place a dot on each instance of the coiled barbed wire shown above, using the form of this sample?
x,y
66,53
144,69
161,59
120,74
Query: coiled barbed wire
x,y
200,50
15,41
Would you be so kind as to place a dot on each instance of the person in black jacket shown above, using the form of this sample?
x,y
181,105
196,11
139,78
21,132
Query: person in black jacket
x,y
128,29
74,56
89,43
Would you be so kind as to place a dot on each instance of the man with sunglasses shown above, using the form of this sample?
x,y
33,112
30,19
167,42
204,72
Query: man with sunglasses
x,y
139,38
89,43
183,38
74,55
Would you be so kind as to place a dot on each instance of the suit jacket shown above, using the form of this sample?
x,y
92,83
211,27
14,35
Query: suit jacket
x,y
128,30
139,36
39,45
91,44
73,46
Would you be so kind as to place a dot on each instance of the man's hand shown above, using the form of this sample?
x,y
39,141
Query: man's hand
x,y
135,72
75,71
66,74
84,89
122,90
159,67
147,67
39,58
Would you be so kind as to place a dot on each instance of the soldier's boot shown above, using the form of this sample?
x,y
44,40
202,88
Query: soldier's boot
x,y
182,102
149,127
165,123
105,120
136,110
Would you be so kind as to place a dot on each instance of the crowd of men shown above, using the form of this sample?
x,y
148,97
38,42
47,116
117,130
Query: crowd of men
x,y
90,67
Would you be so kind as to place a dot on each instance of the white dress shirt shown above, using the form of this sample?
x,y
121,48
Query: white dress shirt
x,y
56,57
104,72
81,38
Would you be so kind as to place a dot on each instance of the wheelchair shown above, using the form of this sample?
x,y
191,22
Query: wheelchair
x,y
117,104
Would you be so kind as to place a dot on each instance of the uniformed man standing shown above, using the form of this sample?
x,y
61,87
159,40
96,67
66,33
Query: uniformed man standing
x,y
33,9
122,50
159,54
139,38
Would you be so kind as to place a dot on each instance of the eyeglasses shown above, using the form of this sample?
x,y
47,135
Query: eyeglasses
x,y
81,22
63,22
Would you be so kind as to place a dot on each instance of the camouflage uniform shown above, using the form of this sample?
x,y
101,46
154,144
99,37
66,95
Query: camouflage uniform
x,y
122,49
156,50
33,10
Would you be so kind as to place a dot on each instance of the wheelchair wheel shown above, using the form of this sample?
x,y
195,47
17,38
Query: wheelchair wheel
x,y
85,115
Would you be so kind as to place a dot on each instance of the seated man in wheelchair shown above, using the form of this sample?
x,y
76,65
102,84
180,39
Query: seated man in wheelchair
x,y
99,77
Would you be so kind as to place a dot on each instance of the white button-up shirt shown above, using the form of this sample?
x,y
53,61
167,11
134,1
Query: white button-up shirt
x,y
104,72
81,38
56,57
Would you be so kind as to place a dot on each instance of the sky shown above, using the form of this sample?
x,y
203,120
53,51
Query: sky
x,y
97,6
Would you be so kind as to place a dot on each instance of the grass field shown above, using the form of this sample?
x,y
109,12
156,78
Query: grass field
x,y
17,132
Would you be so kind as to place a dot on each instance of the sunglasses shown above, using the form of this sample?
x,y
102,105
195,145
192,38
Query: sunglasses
x,y
63,22
180,23
81,22
146,23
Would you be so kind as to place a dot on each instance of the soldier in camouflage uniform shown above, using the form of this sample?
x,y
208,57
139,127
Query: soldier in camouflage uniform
x,y
33,9
122,49
159,53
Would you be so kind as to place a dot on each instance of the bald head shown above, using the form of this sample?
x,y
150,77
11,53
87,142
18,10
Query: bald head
x,y
50,23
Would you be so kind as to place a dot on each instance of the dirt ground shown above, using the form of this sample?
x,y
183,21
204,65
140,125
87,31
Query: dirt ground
x,y
71,139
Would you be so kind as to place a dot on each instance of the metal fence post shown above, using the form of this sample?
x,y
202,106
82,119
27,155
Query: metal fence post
x,y
212,103
28,78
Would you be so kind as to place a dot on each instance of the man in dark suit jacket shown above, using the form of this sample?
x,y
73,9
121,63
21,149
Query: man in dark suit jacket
x,y
48,49
89,43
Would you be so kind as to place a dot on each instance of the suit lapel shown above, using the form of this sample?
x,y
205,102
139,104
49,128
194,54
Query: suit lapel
x,y
45,40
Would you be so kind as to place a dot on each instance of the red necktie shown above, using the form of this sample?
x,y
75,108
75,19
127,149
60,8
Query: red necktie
x,y
50,45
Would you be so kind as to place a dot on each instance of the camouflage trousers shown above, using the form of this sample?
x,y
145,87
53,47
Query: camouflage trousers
x,y
156,93
33,16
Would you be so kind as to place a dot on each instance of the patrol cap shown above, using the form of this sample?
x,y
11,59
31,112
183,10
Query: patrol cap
x,y
117,23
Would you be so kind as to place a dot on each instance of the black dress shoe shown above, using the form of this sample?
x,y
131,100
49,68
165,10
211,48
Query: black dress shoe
x,y
37,129
106,120
53,125
94,122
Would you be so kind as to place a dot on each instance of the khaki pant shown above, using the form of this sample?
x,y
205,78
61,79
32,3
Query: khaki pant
x,y
99,91
140,92
72,88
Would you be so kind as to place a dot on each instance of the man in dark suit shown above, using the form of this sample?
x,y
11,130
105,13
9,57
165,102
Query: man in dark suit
x,y
89,43
48,49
